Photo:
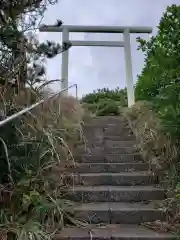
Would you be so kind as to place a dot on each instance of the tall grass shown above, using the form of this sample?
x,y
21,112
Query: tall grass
x,y
32,146
161,150
156,146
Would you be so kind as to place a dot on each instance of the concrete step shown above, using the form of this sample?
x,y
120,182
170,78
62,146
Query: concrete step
x,y
95,144
112,232
106,150
121,213
113,193
111,185
109,158
108,143
105,124
93,132
120,150
117,131
123,158
81,150
106,167
119,143
90,158
124,137
113,179
107,119
111,130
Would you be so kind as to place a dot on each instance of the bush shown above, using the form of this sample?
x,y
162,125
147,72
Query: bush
x,y
104,102
156,124
43,141
159,81
105,108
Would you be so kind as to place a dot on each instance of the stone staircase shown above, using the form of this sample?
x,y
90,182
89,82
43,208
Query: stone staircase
x,y
112,186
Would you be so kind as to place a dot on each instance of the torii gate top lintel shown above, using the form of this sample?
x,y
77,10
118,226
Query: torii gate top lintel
x,y
95,29
126,30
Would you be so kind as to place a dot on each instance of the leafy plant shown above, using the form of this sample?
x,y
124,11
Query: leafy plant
x,y
159,85
105,102
159,81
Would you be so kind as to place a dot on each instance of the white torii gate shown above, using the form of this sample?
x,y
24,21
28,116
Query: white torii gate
x,y
66,29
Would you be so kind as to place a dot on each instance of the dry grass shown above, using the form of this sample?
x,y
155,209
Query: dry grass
x,y
156,146
45,139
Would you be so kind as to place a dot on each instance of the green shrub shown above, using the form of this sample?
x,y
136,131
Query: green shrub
x,y
105,108
105,102
159,81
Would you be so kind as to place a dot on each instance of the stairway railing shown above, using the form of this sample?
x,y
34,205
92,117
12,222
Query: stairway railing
x,y
25,110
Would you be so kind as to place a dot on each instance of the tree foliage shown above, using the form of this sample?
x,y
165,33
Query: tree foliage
x,y
21,54
33,145
159,81
21,67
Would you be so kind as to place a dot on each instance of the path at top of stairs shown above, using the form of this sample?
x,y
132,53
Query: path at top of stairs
x,y
112,187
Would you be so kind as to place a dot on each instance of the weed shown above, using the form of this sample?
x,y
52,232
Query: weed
x,y
33,148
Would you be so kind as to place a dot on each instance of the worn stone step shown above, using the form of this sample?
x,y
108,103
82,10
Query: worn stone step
x,y
106,120
135,193
111,232
124,137
117,130
114,193
90,158
111,130
108,143
106,150
106,167
102,125
119,144
113,179
93,132
105,124
109,158
110,117
123,158
121,213
83,150
95,144
135,213
120,150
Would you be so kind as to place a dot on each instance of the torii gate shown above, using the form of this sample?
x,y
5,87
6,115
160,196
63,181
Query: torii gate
x,y
66,29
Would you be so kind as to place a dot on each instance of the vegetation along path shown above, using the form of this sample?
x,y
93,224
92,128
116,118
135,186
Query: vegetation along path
x,y
114,191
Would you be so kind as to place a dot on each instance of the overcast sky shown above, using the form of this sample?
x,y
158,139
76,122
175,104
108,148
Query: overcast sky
x,y
98,67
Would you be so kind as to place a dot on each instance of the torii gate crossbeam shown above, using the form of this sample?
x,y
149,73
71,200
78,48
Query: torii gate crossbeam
x,y
66,29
